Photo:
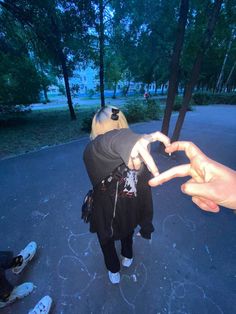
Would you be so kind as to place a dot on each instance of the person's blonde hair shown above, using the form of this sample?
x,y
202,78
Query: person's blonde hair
x,y
103,122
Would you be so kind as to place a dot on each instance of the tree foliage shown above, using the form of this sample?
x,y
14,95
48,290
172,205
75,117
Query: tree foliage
x,y
19,78
61,27
127,40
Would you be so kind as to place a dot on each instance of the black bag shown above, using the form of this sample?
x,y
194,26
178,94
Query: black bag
x,y
87,207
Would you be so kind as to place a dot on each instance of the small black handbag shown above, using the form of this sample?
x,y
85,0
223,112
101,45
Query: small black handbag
x,y
87,207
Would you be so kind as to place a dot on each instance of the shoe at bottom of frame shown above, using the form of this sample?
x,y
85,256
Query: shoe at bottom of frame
x,y
43,306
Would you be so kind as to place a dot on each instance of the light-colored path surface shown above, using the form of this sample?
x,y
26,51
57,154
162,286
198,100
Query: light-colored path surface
x,y
188,267
61,102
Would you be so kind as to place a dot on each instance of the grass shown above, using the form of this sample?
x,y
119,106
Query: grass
x,y
32,131
25,132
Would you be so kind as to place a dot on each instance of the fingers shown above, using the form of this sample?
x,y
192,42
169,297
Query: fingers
x,y
158,136
201,193
136,163
198,189
134,158
209,203
190,149
205,204
148,160
140,153
179,171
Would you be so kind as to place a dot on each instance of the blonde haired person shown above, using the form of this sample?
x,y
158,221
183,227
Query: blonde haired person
x,y
115,161
102,123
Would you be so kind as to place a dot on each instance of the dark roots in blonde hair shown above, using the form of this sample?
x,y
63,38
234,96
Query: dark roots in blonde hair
x,y
107,119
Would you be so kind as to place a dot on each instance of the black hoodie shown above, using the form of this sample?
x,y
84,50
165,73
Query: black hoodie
x,y
108,154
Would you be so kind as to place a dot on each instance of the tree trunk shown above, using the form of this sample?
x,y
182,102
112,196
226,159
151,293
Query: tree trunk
x,y
220,79
174,67
229,77
196,68
101,51
114,90
162,89
155,91
127,89
45,94
67,86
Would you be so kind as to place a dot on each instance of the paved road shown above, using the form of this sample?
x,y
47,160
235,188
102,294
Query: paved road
x,y
188,267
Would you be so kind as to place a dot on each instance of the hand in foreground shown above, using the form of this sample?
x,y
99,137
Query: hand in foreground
x,y
140,152
212,184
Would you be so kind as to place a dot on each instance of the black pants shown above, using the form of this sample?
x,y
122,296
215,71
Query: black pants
x,y
6,262
109,252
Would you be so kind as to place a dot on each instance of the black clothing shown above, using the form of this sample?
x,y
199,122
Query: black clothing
x,y
6,262
108,151
111,218
109,252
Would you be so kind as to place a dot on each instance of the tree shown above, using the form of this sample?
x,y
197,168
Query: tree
x,y
230,76
196,67
145,39
220,78
174,66
19,79
101,50
113,70
61,26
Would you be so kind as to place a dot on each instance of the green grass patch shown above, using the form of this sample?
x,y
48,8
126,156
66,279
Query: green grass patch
x,y
26,132
29,131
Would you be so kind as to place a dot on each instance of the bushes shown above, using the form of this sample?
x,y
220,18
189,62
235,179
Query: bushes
x,y
87,121
91,93
133,111
142,110
62,89
153,110
210,98
178,104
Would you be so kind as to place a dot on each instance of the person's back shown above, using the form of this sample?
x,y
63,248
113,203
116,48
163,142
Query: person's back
x,y
122,198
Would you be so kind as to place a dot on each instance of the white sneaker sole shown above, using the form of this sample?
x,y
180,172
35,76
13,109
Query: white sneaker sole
x,y
18,292
127,262
27,253
43,306
114,277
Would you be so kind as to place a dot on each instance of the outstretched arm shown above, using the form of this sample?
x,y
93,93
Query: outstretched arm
x,y
211,184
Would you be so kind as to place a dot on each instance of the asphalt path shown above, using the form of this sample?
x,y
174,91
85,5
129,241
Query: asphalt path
x,y
188,266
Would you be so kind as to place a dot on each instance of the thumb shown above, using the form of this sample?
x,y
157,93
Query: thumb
x,y
198,189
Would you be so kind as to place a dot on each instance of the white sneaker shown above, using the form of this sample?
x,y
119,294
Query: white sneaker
x,y
114,277
27,254
18,292
126,262
43,306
